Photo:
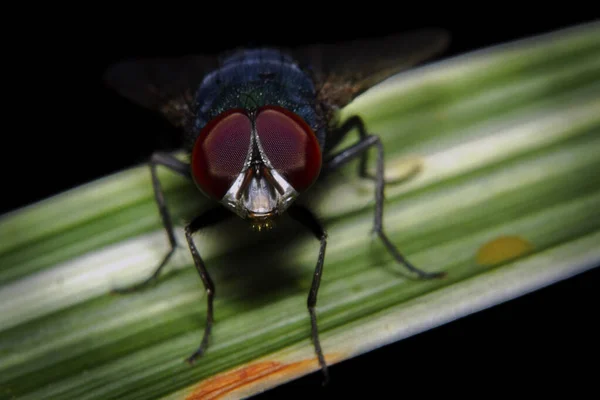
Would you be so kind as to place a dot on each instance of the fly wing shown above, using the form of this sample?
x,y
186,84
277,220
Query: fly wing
x,y
344,70
165,85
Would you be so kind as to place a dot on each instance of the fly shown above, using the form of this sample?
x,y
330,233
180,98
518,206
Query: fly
x,y
260,127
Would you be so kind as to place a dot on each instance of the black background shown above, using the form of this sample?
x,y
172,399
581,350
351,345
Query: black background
x,y
65,128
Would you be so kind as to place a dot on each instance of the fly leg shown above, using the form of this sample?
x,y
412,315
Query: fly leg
x,y
365,142
351,123
210,217
180,168
310,221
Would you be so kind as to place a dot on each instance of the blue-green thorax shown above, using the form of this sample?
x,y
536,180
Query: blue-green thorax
x,y
253,78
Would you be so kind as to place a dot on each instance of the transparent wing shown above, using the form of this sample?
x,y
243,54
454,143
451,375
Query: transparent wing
x,y
165,85
344,70
341,70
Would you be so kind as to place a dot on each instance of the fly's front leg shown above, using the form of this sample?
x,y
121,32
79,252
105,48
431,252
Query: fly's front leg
x,y
310,221
180,168
366,142
209,218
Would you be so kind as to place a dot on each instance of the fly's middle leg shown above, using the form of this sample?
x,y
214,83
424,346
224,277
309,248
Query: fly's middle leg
x,y
355,122
366,142
181,168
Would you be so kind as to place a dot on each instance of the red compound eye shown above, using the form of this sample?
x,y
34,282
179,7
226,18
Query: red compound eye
x,y
220,151
290,145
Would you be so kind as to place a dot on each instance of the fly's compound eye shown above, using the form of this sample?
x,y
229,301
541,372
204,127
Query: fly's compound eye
x,y
290,145
220,151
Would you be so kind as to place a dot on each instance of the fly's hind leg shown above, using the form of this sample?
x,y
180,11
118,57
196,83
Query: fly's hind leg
x,y
181,168
367,141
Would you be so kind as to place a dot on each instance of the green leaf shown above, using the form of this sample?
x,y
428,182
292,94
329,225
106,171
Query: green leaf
x,y
494,158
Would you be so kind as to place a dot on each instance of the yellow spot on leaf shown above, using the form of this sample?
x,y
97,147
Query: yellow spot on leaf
x,y
502,249
401,169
